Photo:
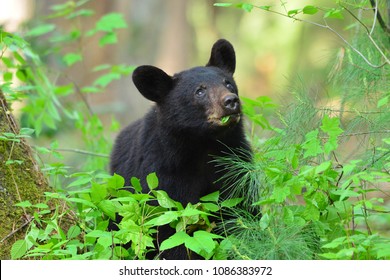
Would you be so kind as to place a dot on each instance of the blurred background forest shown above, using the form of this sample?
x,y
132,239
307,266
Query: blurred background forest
x,y
272,52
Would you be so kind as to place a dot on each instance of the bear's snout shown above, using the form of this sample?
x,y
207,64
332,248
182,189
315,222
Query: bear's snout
x,y
232,103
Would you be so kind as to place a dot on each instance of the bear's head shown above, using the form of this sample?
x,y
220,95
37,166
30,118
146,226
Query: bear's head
x,y
201,99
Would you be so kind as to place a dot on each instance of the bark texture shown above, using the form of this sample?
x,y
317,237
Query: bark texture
x,y
18,182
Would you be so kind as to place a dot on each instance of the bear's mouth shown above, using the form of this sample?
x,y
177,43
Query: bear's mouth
x,y
226,119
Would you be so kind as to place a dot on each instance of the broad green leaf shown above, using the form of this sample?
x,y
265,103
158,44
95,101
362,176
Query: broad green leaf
x,y
280,193
312,145
210,207
72,58
80,181
334,13
383,101
164,219
41,205
231,202
136,184
98,192
106,79
189,211
310,10
7,76
110,22
323,167
152,181
116,182
108,207
164,200
81,201
202,243
265,221
213,197
24,204
19,249
108,38
41,30
245,6
73,232
175,240
292,13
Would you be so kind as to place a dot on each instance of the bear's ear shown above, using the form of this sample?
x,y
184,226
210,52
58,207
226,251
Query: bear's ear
x,y
152,82
223,56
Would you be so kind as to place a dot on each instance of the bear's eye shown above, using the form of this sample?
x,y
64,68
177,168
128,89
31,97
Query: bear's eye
x,y
200,91
229,85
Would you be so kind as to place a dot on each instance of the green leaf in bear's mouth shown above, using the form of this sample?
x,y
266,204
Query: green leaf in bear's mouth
x,y
225,119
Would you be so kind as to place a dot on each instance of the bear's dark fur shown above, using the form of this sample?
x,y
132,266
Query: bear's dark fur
x,y
184,130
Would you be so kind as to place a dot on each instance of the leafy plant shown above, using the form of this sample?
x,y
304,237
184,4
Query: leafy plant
x,y
305,195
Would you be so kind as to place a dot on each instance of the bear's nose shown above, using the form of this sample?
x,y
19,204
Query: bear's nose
x,y
231,102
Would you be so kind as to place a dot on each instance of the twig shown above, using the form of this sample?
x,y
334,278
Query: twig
x,y
18,229
387,61
378,15
326,26
81,152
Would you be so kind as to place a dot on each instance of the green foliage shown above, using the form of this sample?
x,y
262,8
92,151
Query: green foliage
x,y
98,200
306,195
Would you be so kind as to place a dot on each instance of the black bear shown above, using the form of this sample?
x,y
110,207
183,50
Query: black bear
x,y
197,116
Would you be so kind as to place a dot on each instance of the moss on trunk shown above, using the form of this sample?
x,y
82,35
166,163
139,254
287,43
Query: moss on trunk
x,y
18,182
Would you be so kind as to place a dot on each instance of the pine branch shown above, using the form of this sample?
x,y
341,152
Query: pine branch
x,y
378,16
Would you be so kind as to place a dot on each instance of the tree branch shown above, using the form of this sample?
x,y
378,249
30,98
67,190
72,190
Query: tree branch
x,y
382,23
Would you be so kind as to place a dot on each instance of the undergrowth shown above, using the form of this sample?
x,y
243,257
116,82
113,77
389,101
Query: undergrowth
x,y
317,187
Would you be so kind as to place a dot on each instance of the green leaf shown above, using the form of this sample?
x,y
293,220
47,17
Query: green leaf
x,y
152,181
108,208
24,204
225,119
108,38
110,22
383,101
223,4
210,207
280,193
136,184
310,10
80,181
116,182
106,79
72,58
175,240
312,145
265,221
101,67
164,219
292,13
164,200
41,30
213,197
19,249
229,203
41,205
334,13
98,193
190,211
265,8
7,76
73,232
202,243
331,126
245,6
323,167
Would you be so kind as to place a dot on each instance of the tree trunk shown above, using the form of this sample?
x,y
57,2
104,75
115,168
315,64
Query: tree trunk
x,y
18,182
